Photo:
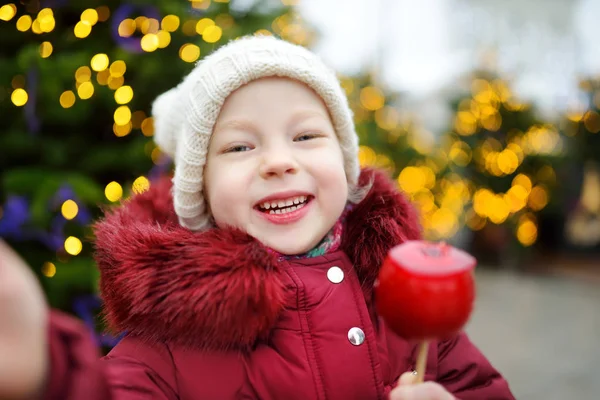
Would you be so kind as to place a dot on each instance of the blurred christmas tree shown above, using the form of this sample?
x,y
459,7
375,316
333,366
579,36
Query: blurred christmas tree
x,y
509,158
395,140
76,87
582,126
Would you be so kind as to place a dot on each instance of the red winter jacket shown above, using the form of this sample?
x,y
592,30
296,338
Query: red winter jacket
x,y
214,315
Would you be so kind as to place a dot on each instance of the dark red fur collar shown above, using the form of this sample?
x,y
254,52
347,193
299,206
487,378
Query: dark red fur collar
x,y
163,282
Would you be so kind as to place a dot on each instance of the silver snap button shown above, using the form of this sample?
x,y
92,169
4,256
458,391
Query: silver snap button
x,y
356,336
335,274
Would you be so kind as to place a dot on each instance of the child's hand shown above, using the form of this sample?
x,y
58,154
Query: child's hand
x,y
407,389
23,341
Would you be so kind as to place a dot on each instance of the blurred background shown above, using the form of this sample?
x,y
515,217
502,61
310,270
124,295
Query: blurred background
x,y
487,113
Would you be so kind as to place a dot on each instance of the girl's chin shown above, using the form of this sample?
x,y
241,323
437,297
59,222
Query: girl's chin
x,y
289,249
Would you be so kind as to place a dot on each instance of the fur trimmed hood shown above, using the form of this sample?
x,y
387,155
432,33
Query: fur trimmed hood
x,y
161,281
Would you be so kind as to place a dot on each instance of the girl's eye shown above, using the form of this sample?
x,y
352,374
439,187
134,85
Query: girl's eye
x,y
238,149
307,136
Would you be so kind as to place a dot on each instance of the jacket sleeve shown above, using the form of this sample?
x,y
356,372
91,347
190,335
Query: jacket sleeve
x,y
133,370
467,374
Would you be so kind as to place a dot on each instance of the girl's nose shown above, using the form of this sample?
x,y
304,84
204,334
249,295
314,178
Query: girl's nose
x,y
277,163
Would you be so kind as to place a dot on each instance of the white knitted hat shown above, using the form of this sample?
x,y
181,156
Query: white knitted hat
x,y
185,115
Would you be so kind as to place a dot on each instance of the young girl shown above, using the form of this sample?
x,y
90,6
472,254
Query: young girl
x,y
249,275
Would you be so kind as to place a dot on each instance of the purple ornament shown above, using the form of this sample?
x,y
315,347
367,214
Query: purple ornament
x,y
162,167
15,215
32,120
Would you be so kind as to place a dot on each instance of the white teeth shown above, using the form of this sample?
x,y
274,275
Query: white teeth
x,y
284,205
286,209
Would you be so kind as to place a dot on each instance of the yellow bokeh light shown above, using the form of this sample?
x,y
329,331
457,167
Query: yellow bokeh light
x,y
90,16
263,32
46,49
482,200
85,90
47,25
170,23
139,21
67,99
460,153
164,39
83,74
538,198
507,161
189,27
82,29
189,52
412,179
7,12
73,245
371,98
425,200
465,123
103,76
126,27
148,126
24,23
122,115
212,34
498,209
118,68
591,120
522,180
492,122
45,13
149,42
48,269
69,209
203,24
444,222
19,97
99,62
123,95
115,82
122,130
225,21
155,155
516,198
103,13
387,118
527,232
140,185
36,27
366,156
113,192
150,25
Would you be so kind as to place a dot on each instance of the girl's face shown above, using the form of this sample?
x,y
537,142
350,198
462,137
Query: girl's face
x,y
274,166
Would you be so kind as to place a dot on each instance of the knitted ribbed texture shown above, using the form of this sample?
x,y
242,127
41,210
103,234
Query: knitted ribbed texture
x,y
184,116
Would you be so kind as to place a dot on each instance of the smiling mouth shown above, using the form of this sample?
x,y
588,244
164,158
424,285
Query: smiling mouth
x,y
284,206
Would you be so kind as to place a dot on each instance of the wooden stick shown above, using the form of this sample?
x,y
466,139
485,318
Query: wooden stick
x,y
422,360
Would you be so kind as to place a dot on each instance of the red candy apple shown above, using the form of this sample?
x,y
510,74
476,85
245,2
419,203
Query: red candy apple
x,y
425,290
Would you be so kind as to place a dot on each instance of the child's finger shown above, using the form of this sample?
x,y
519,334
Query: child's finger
x,y
407,378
